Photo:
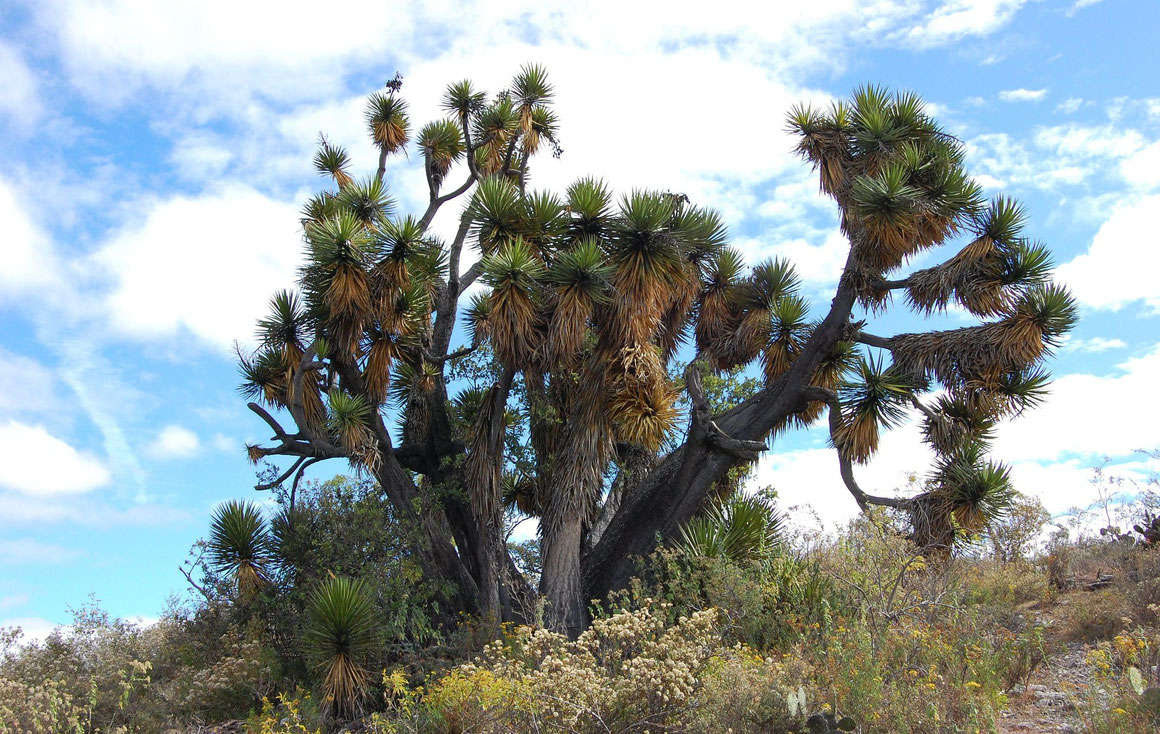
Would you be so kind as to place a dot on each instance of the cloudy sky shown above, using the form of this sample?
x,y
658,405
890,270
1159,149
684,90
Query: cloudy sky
x,y
154,155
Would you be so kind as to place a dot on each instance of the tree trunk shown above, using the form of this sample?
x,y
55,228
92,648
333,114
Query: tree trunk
x,y
561,581
675,491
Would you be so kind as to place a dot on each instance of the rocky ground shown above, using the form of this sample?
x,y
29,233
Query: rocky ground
x,y
1051,699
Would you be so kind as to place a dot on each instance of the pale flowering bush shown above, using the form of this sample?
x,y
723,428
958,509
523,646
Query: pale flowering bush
x,y
629,672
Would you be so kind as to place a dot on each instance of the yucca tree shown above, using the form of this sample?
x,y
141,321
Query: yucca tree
x,y
587,298
342,631
239,546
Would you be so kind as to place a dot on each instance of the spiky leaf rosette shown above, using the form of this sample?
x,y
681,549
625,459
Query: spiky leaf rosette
x,y
442,145
581,280
513,273
494,127
264,375
478,317
341,634
463,99
333,161
649,260
788,332
387,121
589,201
336,280
974,490
715,313
367,200
286,325
755,300
496,212
544,220
239,545
349,420
738,529
872,400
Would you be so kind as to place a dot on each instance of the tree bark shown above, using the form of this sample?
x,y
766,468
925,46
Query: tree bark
x,y
562,583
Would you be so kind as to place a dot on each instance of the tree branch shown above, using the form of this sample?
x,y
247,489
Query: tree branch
x,y
285,475
871,340
713,435
433,359
279,432
845,466
470,276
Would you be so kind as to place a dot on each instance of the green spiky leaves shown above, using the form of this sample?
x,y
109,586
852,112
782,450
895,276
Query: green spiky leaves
x,y
497,211
463,99
239,545
871,400
590,202
739,529
349,421
387,121
333,161
584,271
975,490
341,634
513,273
442,145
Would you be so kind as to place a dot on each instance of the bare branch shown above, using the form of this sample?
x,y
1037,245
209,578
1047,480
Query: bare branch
x,y
871,340
298,478
470,276
382,165
293,468
714,436
845,466
194,584
433,359
279,433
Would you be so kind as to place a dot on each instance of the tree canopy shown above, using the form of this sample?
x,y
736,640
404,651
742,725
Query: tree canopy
x,y
586,301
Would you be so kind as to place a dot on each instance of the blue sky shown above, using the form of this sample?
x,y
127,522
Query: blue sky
x,y
154,157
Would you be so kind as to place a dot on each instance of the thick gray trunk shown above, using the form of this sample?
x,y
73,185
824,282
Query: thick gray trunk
x,y
561,581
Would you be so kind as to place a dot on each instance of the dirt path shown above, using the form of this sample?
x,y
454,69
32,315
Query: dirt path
x,y
1049,702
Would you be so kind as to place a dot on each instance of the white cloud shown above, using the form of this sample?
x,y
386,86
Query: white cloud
x,y
957,19
26,551
1070,105
1120,265
19,94
27,387
175,442
817,265
13,600
285,49
1089,416
1095,344
30,264
1022,95
35,462
225,444
1142,168
1081,4
1088,141
207,264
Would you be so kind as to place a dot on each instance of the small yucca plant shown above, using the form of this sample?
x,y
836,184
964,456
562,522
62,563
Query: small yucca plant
x,y
239,545
341,633
739,529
